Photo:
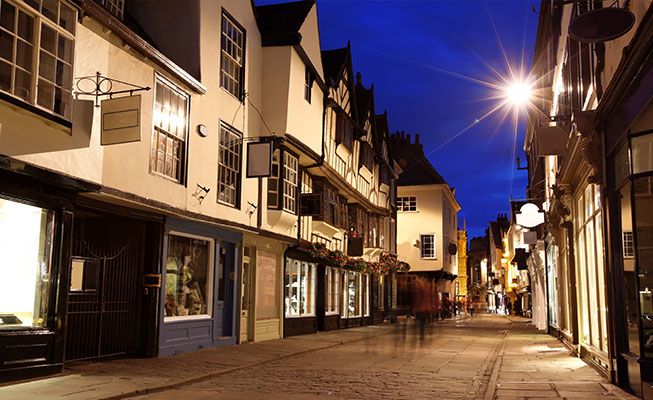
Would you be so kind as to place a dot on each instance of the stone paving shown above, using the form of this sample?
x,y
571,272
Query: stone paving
x,y
485,357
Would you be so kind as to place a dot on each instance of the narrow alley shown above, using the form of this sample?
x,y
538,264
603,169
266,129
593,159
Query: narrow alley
x,y
484,357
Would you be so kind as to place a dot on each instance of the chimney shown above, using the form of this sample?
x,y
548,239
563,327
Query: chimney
x,y
408,138
417,138
359,79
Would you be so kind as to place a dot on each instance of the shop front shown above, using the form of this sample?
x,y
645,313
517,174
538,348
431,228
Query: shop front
x,y
355,310
35,232
300,294
260,305
201,285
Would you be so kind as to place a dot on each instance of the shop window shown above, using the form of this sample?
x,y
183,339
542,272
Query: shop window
x,y
352,294
366,294
267,299
332,281
232,58
26,241
427,246
229,155
629,275
170,130
407,203
189,267
642,151
282,190
300,288
36,53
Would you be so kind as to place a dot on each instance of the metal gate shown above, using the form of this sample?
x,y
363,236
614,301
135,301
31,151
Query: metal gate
x,y
103,302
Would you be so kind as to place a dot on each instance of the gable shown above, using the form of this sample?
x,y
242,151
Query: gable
x,y
310,41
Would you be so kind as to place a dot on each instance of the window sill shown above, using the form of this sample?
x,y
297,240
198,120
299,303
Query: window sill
x,y
166,177
300,316
343,151
167,320
38,112
240,99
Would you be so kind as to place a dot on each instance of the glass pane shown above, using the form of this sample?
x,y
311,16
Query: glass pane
x,y
26,27
22,82
188,276
67,18
644,253
45,96
5,76
48,39
51,10
26,235
7,16
24,55
6,46
642,147
47,66
621,165
65,49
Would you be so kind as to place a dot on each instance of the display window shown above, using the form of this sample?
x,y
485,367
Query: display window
x,y
300,288
352,295
26,236
332,281
189,277
267,300
590,268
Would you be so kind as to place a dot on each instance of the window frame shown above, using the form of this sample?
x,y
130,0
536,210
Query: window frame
x,y
282,184
310,266
39,20
401,204
308,84
332,292
238,185
344,136
226,16
183,160
421,246
628,244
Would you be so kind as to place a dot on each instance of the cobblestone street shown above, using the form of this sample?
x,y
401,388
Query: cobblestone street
x,y
486,357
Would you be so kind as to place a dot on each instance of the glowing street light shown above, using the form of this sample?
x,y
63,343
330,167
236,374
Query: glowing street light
x,y
518,94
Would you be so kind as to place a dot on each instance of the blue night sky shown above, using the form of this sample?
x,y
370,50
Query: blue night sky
x,y
412,50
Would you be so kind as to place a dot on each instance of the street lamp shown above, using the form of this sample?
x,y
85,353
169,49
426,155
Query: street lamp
x,y
518,93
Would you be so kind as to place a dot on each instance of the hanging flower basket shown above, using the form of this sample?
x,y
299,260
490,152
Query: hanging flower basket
x,y
320,251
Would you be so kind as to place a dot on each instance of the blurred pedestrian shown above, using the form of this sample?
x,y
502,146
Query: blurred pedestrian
x,y
423,304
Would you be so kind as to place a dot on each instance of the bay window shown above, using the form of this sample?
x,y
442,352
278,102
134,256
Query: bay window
x,y
36,53
300,288
283,182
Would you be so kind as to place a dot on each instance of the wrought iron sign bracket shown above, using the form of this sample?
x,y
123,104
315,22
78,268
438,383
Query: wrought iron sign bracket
x,y
98,86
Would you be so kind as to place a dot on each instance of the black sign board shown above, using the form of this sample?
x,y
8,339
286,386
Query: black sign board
x,y
355,246
495,281
310,204
601,24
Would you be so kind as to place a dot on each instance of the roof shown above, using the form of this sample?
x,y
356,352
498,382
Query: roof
x,y
495,230
279,24
417,169
333,63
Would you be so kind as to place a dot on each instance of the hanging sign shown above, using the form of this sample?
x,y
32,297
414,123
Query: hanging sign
x,y
121,120
259,159
530,216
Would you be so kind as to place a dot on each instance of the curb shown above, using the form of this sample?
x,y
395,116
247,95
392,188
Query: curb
x,y
211,375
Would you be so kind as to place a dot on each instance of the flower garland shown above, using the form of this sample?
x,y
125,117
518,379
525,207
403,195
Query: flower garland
x,y
387,263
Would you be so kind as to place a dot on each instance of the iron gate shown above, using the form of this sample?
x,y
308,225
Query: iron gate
x,y
103,302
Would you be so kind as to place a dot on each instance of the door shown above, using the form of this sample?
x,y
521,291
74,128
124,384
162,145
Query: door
x,y
246,294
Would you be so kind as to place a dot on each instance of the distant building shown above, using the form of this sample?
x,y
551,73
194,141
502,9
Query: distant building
x,y
461,280
477,262
498,264
427,232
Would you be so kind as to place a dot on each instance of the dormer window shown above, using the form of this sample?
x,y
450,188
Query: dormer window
x,y
36,54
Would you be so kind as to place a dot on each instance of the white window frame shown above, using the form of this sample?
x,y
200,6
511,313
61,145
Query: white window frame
x,y
301,267
407,204
274,180
157,130
66,85
234,85
209,278
224,168
332,283
366,293
421,246
345,294
628,243
290,182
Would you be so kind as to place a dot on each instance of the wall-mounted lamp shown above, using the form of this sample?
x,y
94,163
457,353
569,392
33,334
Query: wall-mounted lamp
x,y
201,192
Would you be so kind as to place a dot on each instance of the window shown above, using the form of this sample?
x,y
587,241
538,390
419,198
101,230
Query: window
x,y
352,295
230,148
167,156
308,85
26,240
373,230
344,131
427,246
290,174
332,279
300,288
629,248
406,204
366,156
366,294
115,7
330,208
189,280
36,53
343,220
233,55
288,192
